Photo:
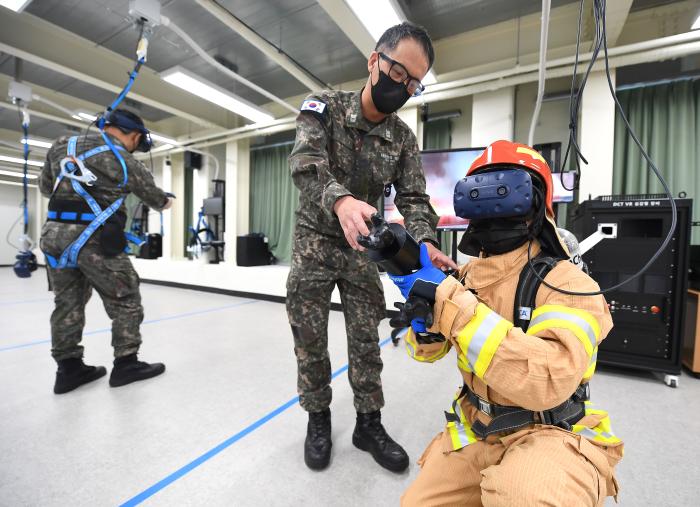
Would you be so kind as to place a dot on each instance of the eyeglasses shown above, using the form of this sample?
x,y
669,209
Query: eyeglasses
x,y
398,73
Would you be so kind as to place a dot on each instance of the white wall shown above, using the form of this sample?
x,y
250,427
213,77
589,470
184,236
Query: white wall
x,y
553,123
461,126
10,200
492,116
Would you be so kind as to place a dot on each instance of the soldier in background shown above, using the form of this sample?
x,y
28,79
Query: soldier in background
x,y
101,263
350,147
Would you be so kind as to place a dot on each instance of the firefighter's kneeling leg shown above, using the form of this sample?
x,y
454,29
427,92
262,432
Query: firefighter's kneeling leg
x,y
543,468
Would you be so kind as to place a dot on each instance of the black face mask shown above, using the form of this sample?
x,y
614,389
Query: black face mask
x,y
388,95
494,236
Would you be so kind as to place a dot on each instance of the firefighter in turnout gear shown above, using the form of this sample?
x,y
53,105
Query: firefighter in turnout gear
x,y
522,429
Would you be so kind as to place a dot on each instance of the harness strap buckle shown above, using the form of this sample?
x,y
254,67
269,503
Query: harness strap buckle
x,y
485,407
583,392
86,175
545,417
450,417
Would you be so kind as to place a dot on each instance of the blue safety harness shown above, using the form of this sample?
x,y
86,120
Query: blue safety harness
x,y
69,257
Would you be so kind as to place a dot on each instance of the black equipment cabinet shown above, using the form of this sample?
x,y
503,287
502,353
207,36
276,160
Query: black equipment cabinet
x,y
647,312
253,250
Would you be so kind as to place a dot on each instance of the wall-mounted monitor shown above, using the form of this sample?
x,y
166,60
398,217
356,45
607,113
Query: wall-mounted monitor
x,y
443,169
561,194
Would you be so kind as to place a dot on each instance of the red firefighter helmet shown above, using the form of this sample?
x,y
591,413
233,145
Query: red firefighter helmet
x,y
507,153
500,153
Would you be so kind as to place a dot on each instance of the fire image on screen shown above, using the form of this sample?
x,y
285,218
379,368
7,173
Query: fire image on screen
x,y
443,169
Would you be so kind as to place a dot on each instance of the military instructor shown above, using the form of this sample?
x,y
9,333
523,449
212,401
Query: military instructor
x,y
350,147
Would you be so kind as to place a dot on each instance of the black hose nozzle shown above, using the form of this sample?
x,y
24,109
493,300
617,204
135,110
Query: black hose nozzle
x,y
391,246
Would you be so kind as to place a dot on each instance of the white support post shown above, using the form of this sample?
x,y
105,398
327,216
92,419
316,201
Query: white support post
x,y
237,194
177,213
166,183
597,137
411,116
243,187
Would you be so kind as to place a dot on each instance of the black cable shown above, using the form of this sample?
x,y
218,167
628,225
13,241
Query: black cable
x,y
599,14
575,104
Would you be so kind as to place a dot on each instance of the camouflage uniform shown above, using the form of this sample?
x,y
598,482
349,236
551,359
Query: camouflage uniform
x,y
338,153
114,278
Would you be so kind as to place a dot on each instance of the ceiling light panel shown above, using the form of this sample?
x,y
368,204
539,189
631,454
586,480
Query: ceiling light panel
x,y
191,83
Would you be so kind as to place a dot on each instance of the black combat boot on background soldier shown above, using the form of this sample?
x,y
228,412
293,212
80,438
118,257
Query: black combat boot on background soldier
x,y
129,369
370,436
73,373
317,447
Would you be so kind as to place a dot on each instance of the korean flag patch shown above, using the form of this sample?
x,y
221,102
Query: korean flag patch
x,y
313,105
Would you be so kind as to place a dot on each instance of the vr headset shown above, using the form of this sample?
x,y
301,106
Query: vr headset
x,y
501,193
118,119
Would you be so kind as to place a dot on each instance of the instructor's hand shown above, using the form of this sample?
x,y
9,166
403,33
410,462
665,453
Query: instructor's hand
x,y
439,259
352,214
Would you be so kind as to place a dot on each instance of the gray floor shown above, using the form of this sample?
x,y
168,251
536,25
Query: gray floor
x,y
195,436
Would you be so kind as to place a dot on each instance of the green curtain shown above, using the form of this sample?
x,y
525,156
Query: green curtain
x,y
273,198
666,118
437,135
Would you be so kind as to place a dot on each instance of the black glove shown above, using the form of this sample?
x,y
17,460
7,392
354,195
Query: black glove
x,y
416,312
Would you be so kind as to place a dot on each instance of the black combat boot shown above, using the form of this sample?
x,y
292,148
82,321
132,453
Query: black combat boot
x,y
129,369
317,447
370,436
73,373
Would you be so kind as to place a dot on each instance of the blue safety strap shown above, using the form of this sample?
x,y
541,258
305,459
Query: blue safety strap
x,y
127,88
97,151
118,155
25,178
51,260
69,257
72,143
109,145
136,240
102,120
70,215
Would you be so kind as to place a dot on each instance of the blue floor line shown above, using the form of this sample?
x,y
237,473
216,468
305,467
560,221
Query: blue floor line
x,y
163,483
145,322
